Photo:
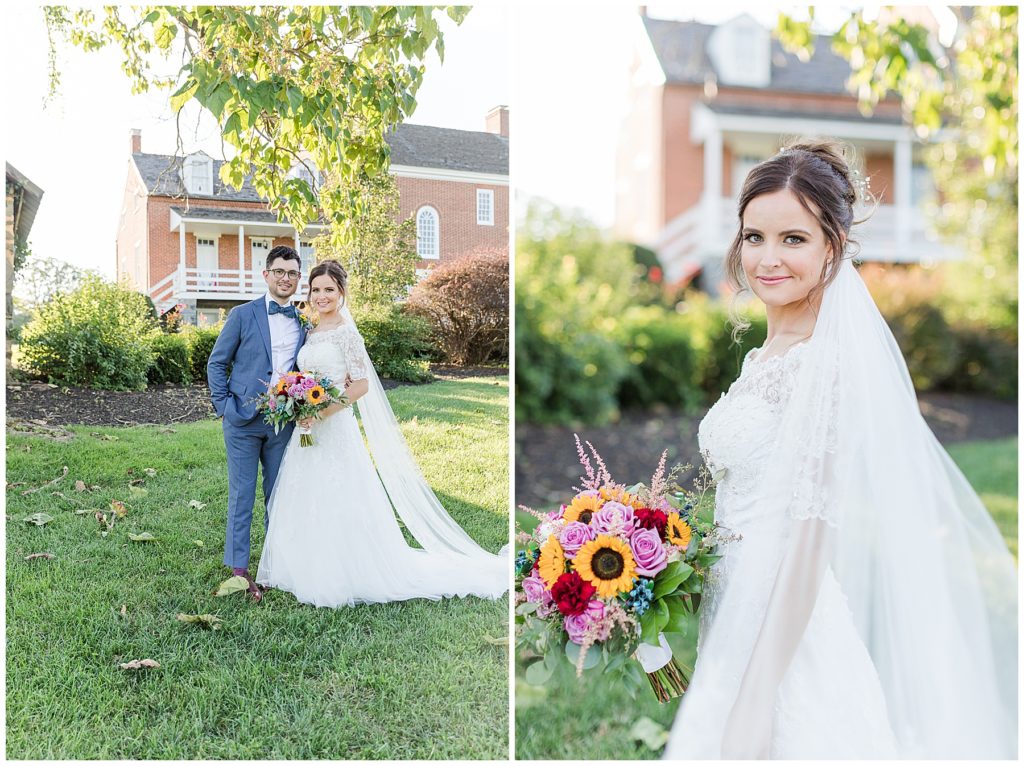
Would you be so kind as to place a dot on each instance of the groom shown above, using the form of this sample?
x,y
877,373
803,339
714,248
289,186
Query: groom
x,y
259,342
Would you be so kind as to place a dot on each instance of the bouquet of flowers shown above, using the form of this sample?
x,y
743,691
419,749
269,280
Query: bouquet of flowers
x,y
296,396
603,578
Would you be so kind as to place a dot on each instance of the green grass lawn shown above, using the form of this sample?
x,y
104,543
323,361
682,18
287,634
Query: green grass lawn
x,y
417,679
591,718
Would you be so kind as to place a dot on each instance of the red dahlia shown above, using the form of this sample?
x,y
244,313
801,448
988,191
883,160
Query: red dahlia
x,y
649,518
572,593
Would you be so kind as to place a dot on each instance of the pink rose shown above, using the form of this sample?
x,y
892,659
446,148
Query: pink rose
x,y
308,383
573,536
576,625
648,552
534,588
614,519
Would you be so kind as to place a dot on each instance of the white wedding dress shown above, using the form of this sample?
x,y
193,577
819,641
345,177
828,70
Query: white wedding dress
x,y
830,703
333,538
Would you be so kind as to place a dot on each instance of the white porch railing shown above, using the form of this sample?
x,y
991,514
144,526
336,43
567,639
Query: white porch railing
x,y
191,284
701,235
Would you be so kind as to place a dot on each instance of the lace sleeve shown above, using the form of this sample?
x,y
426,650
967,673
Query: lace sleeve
x,y
356,358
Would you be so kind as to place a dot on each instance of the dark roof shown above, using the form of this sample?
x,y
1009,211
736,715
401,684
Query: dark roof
x,y
420,146
766,111
27,199
681,48
425,146
230,213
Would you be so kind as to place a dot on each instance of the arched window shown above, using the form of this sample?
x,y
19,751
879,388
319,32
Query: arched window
x,y
428,233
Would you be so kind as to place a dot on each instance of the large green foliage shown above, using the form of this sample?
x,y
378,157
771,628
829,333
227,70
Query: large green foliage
x,y
398,344
171,359
285,83
99,336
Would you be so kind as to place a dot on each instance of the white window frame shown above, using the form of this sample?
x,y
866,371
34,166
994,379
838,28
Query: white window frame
x,y
435,253
307,257
188,174
488,195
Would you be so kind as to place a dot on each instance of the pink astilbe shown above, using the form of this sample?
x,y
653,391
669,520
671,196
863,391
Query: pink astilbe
x,y
523,537
601,630
604,474
658,484
591,480
542,515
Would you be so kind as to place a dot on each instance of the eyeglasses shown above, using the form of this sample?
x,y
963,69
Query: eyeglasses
x,y
281,274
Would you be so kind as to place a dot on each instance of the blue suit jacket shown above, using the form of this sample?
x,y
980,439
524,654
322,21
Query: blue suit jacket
x,y
244,344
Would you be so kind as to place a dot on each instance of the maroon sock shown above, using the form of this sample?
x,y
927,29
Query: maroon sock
x,y
240,571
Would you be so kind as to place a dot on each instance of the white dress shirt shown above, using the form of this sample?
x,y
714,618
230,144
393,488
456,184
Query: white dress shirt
x,y
284,336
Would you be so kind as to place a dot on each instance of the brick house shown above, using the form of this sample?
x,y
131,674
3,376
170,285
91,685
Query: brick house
x,y
707,103
22,203
185,237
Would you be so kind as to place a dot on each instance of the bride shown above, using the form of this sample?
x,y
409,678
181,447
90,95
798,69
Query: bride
x,y
866,604
333,539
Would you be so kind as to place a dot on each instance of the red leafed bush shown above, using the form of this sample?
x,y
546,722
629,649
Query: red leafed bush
x,y
466,303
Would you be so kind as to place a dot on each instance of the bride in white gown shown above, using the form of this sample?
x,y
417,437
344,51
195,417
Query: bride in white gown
x,y
868,607
333,539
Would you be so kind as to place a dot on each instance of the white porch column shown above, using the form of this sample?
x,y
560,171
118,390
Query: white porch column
x,y
179,282
903,171
711,199
241,258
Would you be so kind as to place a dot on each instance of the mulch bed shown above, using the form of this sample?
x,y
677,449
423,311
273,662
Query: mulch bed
x,y
43,404
547,468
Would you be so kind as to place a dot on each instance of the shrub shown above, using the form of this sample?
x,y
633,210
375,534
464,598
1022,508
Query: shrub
x,y
988,361
171,360
96,336
200,345
398,344
663,362
466,303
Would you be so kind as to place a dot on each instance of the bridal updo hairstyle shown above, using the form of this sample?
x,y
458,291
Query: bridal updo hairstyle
x,y
335,271
818,173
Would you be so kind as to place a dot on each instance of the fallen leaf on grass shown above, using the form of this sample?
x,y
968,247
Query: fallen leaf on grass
x,y
79,486
139,664
199,543
16,484
84,511
124,610
32,556
61,495
235,584
196,505
38,519
167,431
118,508
135,491
136,482
105,437
503,641
208,621
106,522
143,537
150,472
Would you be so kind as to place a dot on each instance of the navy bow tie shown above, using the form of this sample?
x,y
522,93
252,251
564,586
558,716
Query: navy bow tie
x,y
289,310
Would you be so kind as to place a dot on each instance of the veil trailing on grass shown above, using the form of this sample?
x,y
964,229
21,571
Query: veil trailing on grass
x,y
871,493
413,500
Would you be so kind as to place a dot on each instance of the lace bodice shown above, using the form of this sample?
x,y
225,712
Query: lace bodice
x,y
335,352
737,434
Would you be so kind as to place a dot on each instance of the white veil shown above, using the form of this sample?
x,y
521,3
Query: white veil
x,y
413,500
928,577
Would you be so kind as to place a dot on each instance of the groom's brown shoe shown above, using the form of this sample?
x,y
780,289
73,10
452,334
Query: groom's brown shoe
x,y
255,591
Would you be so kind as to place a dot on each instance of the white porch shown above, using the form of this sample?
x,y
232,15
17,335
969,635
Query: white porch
x,y
699,237
208,281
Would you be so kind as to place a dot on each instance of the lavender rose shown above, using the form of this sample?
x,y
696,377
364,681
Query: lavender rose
x,y
614,519
648,551
573,536
576,625
534,588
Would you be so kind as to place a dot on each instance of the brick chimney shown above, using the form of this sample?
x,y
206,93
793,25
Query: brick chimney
x,y
497,121
136,140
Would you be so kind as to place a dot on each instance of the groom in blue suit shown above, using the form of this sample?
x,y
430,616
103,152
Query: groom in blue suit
x,y
260,341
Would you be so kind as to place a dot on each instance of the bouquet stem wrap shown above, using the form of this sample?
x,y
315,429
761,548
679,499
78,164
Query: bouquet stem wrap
x,y
665,675
305,437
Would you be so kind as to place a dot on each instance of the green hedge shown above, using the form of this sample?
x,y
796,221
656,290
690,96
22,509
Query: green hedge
x,y
97,336
171,360
398,344
200,345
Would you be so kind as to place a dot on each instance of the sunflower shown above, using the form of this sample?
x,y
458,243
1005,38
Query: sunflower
x,y
620,495
315,395
551,564
606,563
582,508
282,386
678,531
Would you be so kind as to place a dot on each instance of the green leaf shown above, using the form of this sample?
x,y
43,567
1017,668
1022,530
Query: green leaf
x,y
652,734
184,94
670,577
528,607
208,621
135,491
649,627
218,98
142,537
678,619
235,584
164,35
39,519
593,658
661,614
538,673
